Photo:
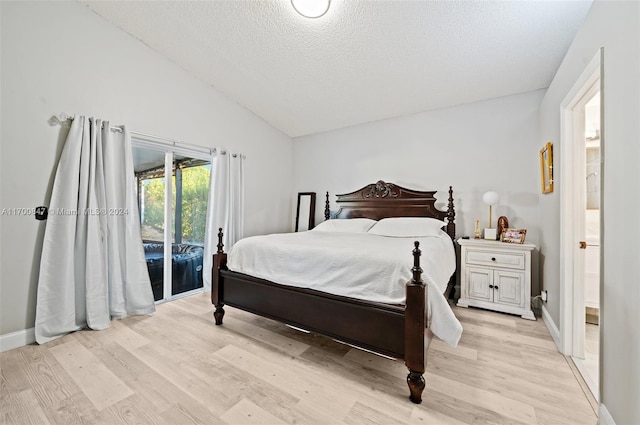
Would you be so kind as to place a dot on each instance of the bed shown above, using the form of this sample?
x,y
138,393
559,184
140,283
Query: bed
x,y
397,329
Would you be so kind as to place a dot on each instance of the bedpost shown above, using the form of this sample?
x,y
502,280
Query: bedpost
x,y
451,216
451,231
217,287
220,244
327,212
415,323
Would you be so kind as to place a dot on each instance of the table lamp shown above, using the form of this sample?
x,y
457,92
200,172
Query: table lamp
x,y
490,198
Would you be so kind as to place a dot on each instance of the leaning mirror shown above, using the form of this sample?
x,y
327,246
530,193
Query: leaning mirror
x,y
306,211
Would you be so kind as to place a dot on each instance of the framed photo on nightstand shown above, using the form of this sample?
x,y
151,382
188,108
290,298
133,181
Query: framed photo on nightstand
x,y
513,235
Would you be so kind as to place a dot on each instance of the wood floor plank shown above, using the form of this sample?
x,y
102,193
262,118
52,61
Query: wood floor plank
x,y
383,364
422,416
506,375
245,412
282,329
212,383
133,373
12,366
278,375
124,336
361,415
179,414
235,329
77,409
132,411
99,384
511,337
547,418
176,370
198,304
384,390
460,350
22,407
516,384
318,412
486,316
48,379
460,410
501,404
154,391
286,344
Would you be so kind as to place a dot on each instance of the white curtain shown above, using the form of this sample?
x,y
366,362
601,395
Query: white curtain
x,y
93,267
226,207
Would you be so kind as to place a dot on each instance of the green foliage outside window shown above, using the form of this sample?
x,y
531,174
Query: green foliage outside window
x,y
195,195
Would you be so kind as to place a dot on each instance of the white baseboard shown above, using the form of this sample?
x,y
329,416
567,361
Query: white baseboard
x,y
553,329
604,417
17,339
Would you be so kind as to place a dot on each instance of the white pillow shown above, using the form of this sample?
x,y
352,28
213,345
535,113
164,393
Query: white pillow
x,y
408,227
349,225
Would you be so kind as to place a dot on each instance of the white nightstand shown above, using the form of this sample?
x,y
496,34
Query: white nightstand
x,y
496,276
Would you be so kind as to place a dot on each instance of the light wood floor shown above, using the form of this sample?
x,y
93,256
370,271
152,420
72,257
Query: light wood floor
x,y
176,367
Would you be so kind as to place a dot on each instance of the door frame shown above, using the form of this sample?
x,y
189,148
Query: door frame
x,y
571,201
170,150
572,198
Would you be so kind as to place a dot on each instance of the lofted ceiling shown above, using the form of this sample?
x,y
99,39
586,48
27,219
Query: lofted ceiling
x,y
364,60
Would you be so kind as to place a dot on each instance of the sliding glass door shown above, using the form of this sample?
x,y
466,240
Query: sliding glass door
x,y
173,191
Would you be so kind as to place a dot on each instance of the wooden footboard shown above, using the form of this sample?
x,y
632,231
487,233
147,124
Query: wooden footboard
x,y
392,330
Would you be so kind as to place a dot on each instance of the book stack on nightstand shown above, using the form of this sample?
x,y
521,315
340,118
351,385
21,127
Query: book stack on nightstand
x,y
496,276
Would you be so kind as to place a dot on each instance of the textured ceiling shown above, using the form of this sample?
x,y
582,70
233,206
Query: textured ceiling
x,y
365,60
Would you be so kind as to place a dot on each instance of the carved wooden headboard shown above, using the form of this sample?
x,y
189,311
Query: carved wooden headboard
x,y
382,200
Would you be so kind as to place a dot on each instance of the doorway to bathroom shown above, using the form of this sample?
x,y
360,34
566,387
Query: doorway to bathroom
x,y
581,181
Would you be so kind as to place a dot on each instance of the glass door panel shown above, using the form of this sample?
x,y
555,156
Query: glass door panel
x,y
191,194
172,217
149,168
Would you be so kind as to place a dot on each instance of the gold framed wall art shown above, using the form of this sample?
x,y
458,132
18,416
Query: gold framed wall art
x,y
546,168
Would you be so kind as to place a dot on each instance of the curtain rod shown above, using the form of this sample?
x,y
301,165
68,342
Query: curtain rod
x,y
61,118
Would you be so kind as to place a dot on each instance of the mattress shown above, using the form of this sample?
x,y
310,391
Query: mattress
x,y
356,265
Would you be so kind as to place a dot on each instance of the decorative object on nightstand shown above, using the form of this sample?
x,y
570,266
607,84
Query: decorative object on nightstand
x,y
503,224
496,276
476,233
513,235
490,198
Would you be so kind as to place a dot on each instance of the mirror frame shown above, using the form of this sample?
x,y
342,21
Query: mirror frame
x,y
312,209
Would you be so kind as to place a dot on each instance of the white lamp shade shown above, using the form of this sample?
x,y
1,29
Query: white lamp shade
x,y
490,198
311,8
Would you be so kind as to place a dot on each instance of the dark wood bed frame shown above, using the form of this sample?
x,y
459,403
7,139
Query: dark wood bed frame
x,y
393,330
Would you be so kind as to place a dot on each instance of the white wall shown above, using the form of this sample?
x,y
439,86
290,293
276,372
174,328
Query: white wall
x,y
616,27
61,57
488,145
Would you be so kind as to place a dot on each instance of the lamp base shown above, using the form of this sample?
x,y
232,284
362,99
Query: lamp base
x,y
491,234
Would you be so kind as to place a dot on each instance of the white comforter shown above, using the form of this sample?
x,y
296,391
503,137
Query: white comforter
x,y
357,265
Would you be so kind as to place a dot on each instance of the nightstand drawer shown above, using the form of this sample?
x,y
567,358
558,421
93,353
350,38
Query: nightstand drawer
x,y
496,259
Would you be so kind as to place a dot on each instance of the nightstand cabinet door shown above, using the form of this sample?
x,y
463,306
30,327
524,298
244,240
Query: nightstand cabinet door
x,y
479,283
508,288
496,276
